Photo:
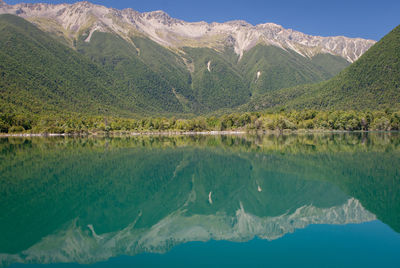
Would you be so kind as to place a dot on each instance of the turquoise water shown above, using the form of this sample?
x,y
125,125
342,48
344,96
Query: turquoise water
x,y
279,201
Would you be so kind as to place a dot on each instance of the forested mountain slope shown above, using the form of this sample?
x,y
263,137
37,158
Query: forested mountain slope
x,y
146,64
372,82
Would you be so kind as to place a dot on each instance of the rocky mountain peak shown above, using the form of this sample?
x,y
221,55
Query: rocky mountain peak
x,y
130,11
239,23
83,4
271,26
3,5
161,16
171,32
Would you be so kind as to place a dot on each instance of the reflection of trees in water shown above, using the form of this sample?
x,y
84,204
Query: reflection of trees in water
x,y
108,182
294,143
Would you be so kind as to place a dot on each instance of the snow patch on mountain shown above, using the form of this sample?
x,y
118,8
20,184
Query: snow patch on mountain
x,y
258,76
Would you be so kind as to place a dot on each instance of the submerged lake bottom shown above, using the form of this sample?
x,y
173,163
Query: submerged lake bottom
x,y
304,200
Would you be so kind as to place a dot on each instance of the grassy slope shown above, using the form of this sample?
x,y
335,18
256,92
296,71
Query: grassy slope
x,y
372,82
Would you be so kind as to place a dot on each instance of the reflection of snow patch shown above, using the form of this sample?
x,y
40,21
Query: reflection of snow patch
x,y
209,198
192,195
90,226
209,66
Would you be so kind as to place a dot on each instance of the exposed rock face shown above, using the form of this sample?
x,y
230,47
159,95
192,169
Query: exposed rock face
x,y
83,245
85,18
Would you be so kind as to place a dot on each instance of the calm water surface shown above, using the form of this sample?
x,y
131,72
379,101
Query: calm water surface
x,y
322,200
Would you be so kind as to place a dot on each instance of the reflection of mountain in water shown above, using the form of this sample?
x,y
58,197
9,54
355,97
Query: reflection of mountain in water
x,y
83,245
86,200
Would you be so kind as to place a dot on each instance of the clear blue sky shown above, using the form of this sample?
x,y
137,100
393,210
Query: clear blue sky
x,y
370,19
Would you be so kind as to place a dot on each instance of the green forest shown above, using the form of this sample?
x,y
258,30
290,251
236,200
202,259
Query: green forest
x,y
372,82
114,85
250,121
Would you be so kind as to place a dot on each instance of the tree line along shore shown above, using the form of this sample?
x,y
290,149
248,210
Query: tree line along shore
x,y
236,122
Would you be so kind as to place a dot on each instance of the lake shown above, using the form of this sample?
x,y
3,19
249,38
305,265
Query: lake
x,y
304,200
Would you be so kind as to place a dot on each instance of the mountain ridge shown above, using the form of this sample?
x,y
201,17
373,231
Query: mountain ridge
x,y
159,65
178,228
175,33
144,77
371,82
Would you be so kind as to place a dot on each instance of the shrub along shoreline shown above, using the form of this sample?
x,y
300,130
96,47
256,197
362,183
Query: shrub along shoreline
x,y
284,121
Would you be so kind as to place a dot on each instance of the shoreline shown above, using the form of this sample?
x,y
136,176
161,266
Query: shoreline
x,y
188,133
101,134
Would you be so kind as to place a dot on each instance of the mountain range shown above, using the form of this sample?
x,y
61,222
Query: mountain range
x,y
76,244
96,60
72,21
